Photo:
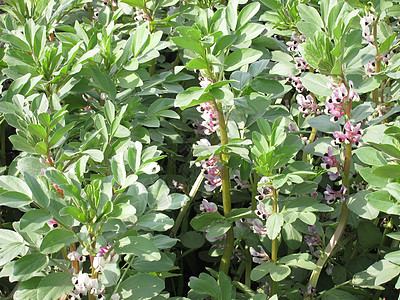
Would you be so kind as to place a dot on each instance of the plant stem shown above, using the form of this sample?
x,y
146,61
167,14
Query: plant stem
x,y
375,93
274,246
185,208
343,215
226,186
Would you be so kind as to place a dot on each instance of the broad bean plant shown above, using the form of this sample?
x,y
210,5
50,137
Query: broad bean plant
x,y
199,149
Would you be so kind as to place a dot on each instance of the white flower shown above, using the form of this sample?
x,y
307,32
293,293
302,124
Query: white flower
x,y
99,263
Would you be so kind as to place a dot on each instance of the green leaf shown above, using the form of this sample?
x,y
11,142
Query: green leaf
x,y
310,14
34,219
54,285
196,63
139,246
141,286
37,130
156,221
267,86
324,124
27,289
274,225
218,228
103,82
187,96
140,37
39,191
57,239
122,211
73,212
388,149
241,57
202,221
192,239
389,171
369,235
247,13
190,44
361,207
14,199
292,236
11,251
381,200
308,217
372,179
279,272
394,189
224,42
225,286
21,144
370,156
118,168
205,285
135,3
29,264
316,83
337,295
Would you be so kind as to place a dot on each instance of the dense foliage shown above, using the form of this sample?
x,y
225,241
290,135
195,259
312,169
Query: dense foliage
x,y
197,149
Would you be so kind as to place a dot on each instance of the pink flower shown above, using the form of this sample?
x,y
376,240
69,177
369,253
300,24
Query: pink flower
x,y
296,82
210,117
301,64
257,226
328,162
52,224
331,195
307,104
259,257
208,206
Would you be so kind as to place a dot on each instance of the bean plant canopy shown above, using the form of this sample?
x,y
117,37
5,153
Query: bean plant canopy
x,y
199,149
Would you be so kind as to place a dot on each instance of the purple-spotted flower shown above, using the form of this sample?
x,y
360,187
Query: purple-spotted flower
x,y
101,258
307,104
210,117
208,206
352,134
314,239
257,226
296,82
83,285
75,256
52,224
329,162
366,25
211,171
259,257
334,105
261,211
331,195
293,45
301,64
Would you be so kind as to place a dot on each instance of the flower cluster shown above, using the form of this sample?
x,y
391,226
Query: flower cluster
x,y
314,239
211,171
293,45
366,25
259,257
301,64
334,105
352,134
210,122
370,66
307,104
331,195
296,83
100,260
83,285
329,162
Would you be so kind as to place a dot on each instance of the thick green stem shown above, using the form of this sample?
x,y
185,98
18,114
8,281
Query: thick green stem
x,y
343,215
311,139
274,246
375,93
226,186
185,208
